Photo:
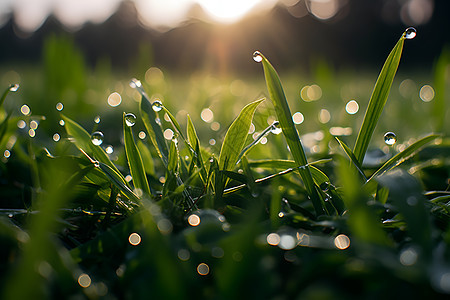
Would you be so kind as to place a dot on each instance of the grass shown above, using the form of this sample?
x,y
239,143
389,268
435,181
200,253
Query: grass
x,y
253,209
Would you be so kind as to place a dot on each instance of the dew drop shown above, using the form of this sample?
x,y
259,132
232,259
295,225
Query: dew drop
x,y
410,33
134,83
390,138
59,106
61,122
130,119
97,138
14,87
257,56
276,129
157,105
97,119
109,149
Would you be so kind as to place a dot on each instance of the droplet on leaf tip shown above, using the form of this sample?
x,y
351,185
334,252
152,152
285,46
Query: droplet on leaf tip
x,y
257,56
410,33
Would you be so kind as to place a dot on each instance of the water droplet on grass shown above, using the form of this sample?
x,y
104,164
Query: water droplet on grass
x,y
14,87
59,106
97,119
134,83
410,33
130,119
97,138
276,129
257,56
390,138
157,105
109,149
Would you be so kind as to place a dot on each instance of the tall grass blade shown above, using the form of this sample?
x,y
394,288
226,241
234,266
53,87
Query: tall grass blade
x,y
235,137
134,159
402,156
378,99
284,115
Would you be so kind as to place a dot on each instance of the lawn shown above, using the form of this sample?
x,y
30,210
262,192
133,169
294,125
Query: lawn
x,y
327,185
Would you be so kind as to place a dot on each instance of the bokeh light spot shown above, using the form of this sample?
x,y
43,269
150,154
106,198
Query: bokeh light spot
x,y
203,269
114,99
84,280
342,242
134,239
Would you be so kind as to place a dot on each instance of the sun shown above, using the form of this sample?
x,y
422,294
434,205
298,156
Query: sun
x,y
229,11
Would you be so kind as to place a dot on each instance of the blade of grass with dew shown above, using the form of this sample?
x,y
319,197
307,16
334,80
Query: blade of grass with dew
x,y
352,157
402,156
287,126
134,159
235,137
378,99
154,129
83,141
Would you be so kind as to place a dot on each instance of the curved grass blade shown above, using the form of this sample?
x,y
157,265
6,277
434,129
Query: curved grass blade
x,y
235,137
83,141
402,156
378,99
134,159
352,157
284,115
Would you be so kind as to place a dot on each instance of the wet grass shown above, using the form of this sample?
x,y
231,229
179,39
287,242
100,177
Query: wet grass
x,y
225,195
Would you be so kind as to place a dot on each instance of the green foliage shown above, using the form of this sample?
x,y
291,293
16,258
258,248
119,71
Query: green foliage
x,y
173,217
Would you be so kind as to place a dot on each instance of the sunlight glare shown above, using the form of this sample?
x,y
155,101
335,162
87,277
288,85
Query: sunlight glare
x,y
228,11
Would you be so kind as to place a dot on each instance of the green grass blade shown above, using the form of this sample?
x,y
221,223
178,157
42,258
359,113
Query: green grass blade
x,y
154,129
147,159
352,157
284,115
378,100
134,159
83,141
235,137
402,156
195,144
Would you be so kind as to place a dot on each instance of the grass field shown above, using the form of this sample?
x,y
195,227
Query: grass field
x,y
327,185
